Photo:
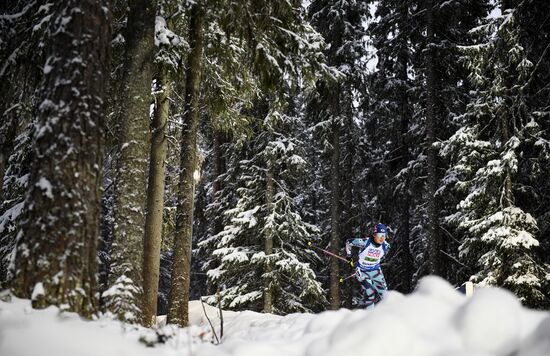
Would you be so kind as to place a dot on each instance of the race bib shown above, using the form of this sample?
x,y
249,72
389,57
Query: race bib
x,y
371,256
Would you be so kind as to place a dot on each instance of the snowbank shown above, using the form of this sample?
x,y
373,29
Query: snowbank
x,y
435,320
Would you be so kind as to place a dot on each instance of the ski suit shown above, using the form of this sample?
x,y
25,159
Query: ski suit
x,y
368,271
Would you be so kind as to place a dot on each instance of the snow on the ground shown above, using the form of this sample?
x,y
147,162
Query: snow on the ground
x,y
435,320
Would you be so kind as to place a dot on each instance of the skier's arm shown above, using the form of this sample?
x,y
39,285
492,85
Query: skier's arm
x,y
386,247
356,242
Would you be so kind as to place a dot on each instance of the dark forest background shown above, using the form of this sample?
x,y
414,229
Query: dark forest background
x,y
153,152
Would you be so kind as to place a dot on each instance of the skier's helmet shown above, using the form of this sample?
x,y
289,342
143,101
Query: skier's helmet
x,y
380,230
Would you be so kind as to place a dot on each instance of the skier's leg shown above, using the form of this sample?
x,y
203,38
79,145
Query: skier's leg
x,y
379,283
368,289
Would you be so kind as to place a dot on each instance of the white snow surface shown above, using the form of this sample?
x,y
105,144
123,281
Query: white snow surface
x,y
434,320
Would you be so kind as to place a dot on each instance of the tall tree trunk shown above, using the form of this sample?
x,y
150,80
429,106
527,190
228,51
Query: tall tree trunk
x,y
434,236
56,262
506,119
179,294
8,131
155,197
131,173
268,248
404,200
219,169
347,187
335,204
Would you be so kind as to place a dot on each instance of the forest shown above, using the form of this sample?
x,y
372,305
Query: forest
x,y
157,152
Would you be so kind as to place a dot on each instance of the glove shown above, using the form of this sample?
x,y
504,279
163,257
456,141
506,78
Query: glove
x,y
360,276
348,249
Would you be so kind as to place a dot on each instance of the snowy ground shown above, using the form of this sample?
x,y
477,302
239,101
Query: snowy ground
x,y
435,320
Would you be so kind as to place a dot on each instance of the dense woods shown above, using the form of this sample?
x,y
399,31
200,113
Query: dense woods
x,y
153,152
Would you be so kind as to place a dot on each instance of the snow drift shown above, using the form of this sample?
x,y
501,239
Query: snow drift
x,y
434,320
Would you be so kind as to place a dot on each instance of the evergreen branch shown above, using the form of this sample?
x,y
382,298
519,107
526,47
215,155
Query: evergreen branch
x,y
452,258
450,235
537,66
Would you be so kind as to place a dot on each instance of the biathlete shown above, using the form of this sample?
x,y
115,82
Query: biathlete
x,y
372,251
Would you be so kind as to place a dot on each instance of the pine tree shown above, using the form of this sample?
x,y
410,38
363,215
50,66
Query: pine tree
x,y
278,44
500,244
531,184
396,121
387,147
60,230
25,30
263,259
12,207
341,25
179,294
124,296
167,65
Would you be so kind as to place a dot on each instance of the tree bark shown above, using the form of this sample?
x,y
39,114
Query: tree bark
x,y
8,132
347,198
268,248
131,171
507,198
404,200
179,293
155,198
56,262
219,169
434,236
335,204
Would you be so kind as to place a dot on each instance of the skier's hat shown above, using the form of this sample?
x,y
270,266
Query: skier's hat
x,y
381,230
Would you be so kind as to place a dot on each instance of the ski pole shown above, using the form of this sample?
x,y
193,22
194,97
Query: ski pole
x,y
331,254
342,279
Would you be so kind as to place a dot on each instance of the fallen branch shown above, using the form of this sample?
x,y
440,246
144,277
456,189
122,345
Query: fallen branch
x,y
209,322
221,314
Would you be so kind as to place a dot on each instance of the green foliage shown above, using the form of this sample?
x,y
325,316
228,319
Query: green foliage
x,y
500,244
238,251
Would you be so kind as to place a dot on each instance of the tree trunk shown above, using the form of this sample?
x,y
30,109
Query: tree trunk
x,y
507,197
8,131
179,293
131,172
219,169
56,262
347,208
335,205
155,198
434,236
404,200
269,194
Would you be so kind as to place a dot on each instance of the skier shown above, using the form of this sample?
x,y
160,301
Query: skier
x,y
368,272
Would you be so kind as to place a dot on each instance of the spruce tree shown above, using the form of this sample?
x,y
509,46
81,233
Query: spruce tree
x,y
387,147
125,292
25,30
168,64
56,248
262,255
341,24
501,236
279,46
